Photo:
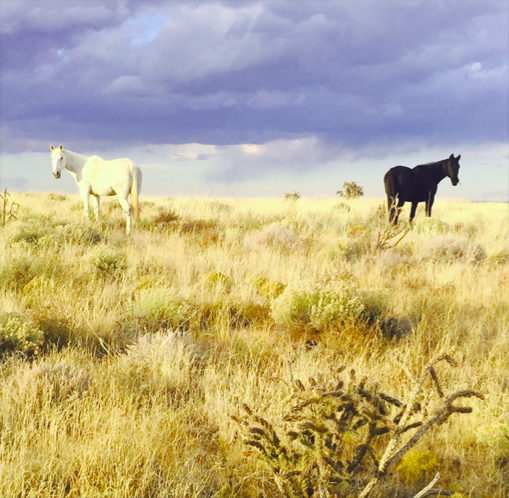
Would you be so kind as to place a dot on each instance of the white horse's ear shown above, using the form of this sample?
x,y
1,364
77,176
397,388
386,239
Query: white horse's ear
x,y
61,147
51,147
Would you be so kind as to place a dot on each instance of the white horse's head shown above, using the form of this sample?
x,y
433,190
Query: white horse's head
x,y
58,160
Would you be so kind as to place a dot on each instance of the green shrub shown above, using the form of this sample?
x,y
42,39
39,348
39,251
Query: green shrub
x,y
17,333
375,304
317,305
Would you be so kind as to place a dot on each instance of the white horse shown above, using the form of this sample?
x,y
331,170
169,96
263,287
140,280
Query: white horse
x,y
97,177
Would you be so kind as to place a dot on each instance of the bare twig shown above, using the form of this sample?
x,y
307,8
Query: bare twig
x,y
429,491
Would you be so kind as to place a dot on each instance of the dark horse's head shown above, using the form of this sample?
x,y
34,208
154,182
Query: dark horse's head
x,y
452,167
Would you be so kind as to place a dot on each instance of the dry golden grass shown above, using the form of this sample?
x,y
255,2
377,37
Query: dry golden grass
x,y
124,358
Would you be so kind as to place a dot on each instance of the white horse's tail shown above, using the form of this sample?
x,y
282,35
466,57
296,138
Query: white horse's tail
x,y
135,193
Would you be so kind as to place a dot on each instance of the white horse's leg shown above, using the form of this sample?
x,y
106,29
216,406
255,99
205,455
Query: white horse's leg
x,y
97,207
85,195
128,213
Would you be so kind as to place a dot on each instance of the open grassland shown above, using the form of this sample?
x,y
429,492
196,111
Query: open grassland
x,y
125,358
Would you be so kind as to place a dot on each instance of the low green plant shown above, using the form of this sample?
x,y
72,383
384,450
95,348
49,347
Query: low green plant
x,y
28,233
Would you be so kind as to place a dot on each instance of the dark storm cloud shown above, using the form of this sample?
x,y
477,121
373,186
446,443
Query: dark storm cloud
x,y
252,72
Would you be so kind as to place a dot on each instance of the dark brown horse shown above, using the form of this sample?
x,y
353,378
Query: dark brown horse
x,y
417,184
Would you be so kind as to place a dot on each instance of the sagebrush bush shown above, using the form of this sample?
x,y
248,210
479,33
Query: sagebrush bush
x,y
316,305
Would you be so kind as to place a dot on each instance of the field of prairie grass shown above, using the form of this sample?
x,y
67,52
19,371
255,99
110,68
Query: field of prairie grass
x,y
124,359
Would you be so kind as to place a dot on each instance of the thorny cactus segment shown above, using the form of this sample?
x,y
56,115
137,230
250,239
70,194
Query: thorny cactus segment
x,y
327,437
311,457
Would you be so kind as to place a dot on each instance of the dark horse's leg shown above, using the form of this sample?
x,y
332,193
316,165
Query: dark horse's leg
x,y
429,204
412,211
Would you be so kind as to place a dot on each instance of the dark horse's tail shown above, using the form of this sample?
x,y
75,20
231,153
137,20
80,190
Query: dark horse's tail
x,y
392,191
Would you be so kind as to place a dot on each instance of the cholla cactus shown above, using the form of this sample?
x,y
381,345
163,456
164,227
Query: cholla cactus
x,y
330,434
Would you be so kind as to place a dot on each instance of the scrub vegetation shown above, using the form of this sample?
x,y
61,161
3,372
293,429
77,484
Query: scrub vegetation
x,y
248,348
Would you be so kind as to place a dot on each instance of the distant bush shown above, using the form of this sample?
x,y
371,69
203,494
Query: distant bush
x,y
18,333
317,305
274,236
342,208
57,197
293,196
351,190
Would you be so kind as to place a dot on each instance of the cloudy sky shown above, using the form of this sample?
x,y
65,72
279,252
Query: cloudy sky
x,y
249,98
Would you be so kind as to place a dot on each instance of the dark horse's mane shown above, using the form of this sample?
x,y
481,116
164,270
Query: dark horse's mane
x,y
434,163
